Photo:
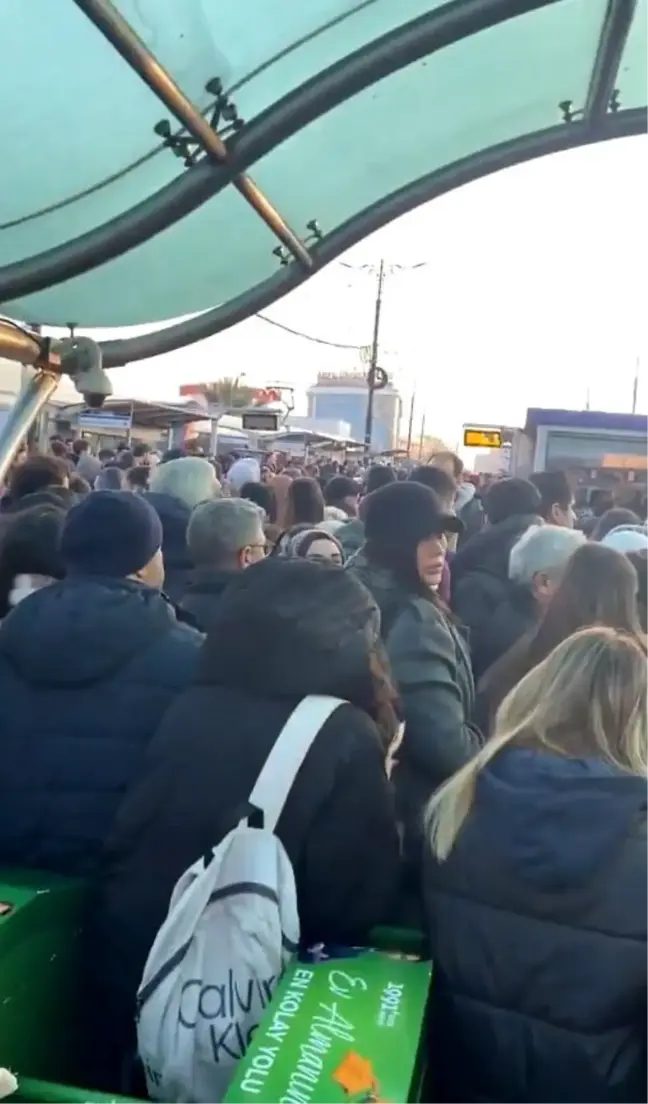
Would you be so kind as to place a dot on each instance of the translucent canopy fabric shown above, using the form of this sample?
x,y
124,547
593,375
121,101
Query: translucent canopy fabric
x,y
347,113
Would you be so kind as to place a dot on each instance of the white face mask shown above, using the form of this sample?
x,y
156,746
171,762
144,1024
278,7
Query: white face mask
x,y
24,585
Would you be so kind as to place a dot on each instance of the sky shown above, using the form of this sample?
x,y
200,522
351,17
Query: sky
x,y
529,291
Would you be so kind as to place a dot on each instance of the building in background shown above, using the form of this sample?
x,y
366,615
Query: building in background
x,y
342,397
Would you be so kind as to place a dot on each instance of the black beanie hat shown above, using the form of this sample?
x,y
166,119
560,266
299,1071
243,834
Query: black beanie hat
x,y
112,533
401,515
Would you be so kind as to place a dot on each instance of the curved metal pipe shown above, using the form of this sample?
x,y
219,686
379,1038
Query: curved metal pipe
x,y
432,31
121,36
34,394
505,155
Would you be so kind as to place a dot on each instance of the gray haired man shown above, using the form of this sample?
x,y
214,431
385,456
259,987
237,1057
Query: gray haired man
x,y
224,536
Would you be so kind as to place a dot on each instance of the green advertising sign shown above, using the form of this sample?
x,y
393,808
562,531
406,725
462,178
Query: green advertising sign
x,y
348,1029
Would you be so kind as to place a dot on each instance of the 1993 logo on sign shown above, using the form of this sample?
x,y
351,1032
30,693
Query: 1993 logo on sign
x,y
390,1004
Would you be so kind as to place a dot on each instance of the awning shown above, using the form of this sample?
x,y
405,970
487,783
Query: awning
x,y
165,158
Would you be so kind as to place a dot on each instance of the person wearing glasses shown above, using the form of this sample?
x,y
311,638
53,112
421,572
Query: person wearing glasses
x,y
224,536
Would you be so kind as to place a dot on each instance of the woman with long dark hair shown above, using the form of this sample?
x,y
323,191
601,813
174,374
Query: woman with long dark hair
x,y
29,553
599,587
402,564
284,629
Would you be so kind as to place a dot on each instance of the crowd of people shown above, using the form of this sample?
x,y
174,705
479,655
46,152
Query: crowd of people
x,y
483,779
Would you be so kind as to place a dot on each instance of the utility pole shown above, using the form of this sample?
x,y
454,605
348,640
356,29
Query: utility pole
x,y
421,438
372,374
410,424
635,388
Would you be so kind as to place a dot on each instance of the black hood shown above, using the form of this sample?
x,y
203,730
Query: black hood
x,y
49,496
82,630
174,516
489,550
285,628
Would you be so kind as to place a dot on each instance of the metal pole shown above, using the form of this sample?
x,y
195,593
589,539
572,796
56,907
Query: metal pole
x,y
33,396
18,344
371,374
635,388
422,437
129,45
410,424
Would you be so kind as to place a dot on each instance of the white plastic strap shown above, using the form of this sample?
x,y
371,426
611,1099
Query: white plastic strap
x,y
291,747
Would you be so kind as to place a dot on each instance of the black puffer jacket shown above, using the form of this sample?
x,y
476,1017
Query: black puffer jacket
x,y
430,664
87,670
338,825
201,600
537,924
481,586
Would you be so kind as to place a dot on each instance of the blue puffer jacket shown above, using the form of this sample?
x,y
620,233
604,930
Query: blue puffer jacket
x,y
537,922
87,670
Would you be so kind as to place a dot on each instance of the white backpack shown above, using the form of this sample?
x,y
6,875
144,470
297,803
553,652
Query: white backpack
x,y
231,929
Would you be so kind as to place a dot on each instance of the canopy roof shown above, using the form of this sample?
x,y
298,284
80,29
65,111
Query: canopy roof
x,y
122,204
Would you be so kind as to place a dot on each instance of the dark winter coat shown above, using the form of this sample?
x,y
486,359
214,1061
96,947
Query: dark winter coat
x,y
480,585
430,664
338,825
178,565
87,670
201,599
537,924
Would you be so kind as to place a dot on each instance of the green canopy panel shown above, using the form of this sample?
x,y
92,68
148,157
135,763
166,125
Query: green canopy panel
x,y
165,158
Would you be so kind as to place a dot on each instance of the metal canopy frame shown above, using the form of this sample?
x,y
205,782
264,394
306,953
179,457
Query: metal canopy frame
x,y
119,33
226,163
442,26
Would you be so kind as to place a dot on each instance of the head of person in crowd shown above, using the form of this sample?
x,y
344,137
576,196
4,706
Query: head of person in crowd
x,y
263,496
189,480
79,446
639,561
406,529
308,543
111,478
512,498
226,535
557,498
245,469
304,503
39,479
598,587
379,475
627,538
59,449
106,455
539,558
79,486
343,493
29,553
612,519
141,454
449,462
538,851
125,459
172,454
137,479
114,535
439,479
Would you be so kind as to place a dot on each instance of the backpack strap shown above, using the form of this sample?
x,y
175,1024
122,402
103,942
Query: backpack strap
x,y
291,747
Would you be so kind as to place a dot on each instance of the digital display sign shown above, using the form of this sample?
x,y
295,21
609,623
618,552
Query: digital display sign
x,y
260,420
482,438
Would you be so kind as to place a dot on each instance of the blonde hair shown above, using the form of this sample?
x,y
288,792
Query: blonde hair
x,y
588,698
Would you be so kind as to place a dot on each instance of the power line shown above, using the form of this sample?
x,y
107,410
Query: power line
x,y
309,337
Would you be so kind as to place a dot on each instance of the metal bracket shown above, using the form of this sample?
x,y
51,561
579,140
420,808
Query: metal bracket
x,y
571,114
316,235
222,116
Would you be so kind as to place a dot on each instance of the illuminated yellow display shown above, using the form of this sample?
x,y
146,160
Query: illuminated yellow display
x,y
482,438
